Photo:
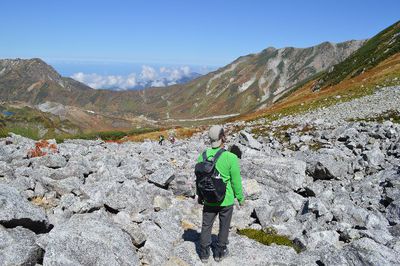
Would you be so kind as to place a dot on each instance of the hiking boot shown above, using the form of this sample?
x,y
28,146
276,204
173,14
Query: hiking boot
x,y
204,254
221,253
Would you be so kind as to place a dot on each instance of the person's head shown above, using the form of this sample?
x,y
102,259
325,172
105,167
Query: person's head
x,y
217,136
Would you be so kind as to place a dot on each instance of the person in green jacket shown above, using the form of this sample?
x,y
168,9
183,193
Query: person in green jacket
x,y
229,169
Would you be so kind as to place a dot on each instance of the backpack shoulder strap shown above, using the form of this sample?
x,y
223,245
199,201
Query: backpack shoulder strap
x,y
205,156
216,156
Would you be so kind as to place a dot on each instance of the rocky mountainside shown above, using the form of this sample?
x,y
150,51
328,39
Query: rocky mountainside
x,y
34,81
263,78
330,183
377,49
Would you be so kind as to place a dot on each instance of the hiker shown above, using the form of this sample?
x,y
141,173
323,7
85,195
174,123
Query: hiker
x,y
172,139
227,176
161,139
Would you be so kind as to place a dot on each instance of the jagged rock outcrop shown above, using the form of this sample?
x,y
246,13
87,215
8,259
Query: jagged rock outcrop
x,y
88,239
18,211
18,247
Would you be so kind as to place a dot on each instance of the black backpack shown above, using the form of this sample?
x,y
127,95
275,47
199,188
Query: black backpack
x,y
209,184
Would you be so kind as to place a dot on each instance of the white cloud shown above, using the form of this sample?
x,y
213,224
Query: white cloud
x,y
148,76
185,70
106,82
175,74
148,73
158,83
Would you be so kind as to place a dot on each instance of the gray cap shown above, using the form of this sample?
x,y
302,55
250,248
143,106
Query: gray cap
x,y
215,133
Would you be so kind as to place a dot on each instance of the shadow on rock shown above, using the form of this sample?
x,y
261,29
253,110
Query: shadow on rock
x,y
194,236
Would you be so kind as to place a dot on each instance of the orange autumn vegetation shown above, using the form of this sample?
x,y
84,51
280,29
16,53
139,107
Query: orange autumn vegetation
x,y
41,148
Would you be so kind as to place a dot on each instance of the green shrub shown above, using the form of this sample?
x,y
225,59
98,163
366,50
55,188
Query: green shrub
x,y
3,132
138,131
391,115
28,132
269,238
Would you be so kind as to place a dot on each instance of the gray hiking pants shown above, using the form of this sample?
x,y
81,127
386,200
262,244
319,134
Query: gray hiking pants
x,y
209,215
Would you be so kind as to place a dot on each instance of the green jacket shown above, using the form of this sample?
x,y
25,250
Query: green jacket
x,y
228,167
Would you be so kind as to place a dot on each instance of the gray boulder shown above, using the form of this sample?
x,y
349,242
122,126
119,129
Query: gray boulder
x,y
163,176
322,238
294,139
153,252
50,160
67,185
393,212
306,138
248,140
280,216
17,211
124,221
183,184
327,167
5,169
344,210
129,197
18,247
277,172
70,170
252,189
161,203
378,235
364,251
374,157
316,206
88,239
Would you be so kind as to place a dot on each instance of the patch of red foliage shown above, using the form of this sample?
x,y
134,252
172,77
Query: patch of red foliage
x,y
42,148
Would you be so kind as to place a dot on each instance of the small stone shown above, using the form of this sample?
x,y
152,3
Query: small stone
x,y
252,189
161,203
358,176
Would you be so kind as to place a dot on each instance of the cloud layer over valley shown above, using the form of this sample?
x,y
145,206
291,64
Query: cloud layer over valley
x,y
148,77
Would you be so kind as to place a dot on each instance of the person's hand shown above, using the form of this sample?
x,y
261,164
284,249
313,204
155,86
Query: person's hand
x,y
241,203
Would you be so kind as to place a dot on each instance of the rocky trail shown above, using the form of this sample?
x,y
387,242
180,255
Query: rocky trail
x,y
327,181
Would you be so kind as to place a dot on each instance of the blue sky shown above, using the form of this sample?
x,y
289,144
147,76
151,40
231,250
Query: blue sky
x,y
206,32
179,32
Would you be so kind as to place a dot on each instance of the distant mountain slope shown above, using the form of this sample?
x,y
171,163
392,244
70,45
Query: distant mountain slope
x,y
375,50
263,78
375,65
34,81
